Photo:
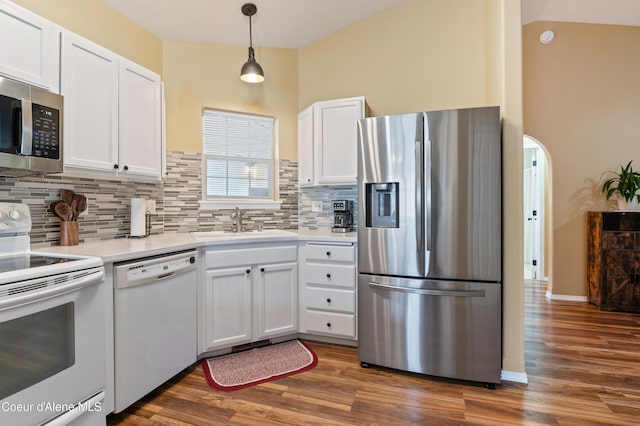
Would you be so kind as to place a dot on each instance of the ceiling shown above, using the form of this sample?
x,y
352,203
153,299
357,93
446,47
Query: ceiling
x,y
615,12
278,23
296,23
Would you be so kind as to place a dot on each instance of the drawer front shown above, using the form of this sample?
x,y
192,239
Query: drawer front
x,y
329,299
329,323
329,274
226,258
330,253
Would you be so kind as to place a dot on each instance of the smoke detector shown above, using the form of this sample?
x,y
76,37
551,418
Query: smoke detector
x,y
547,37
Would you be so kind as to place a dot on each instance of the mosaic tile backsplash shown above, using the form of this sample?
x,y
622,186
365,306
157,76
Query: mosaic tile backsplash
x,y
177,196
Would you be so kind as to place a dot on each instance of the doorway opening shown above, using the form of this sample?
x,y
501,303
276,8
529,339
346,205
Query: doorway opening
x,y
536,210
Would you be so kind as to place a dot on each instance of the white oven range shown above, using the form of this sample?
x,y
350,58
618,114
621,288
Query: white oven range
x,y
52,331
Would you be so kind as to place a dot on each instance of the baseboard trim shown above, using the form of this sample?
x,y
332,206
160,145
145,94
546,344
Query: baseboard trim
x,y
512,376
567,298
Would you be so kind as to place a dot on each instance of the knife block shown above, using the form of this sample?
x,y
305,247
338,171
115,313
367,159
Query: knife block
x,y
69,233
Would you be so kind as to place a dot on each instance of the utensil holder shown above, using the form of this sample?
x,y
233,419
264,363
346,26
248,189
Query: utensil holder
x,y
69,233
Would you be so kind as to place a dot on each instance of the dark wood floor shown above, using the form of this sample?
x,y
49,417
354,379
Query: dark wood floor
x,y
583,367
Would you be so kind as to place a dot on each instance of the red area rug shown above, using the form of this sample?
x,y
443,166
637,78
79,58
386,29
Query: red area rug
x,y
244,369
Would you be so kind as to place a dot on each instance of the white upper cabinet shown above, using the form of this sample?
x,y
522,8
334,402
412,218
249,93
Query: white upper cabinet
x,y
113,121
30,47
90,90
327,153
140,120
305,147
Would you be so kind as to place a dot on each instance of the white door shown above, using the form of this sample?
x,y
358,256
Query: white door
x,y
533,191
228,310
140,114
90,90
277,299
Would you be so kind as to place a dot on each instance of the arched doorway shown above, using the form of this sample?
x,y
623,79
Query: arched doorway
x,y
536,210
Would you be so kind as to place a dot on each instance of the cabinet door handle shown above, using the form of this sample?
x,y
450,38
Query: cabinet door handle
x,y
116,167
308,179
329,325
328,275
248,271
126,168
261,269
328,300
328,253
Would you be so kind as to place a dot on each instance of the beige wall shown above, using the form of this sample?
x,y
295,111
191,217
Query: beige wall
x,y
206,75
93,20
432,54
419,55
581,102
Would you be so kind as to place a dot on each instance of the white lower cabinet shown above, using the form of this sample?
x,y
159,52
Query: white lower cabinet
x,y
250,294
328,289
229,310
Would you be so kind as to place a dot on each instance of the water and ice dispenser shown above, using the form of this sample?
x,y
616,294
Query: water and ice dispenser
x,y
382,204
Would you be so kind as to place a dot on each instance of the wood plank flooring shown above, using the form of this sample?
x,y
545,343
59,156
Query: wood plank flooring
x,y
583,367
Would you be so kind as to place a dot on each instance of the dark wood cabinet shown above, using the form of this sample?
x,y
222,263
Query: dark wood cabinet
x,y
614,260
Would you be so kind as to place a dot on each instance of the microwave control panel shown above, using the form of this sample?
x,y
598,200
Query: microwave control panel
x,y
46,132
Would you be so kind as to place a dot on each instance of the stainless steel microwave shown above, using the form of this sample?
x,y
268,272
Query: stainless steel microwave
x,y
30,130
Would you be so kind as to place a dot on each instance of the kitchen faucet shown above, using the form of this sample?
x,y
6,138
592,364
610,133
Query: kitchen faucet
x,y
237,216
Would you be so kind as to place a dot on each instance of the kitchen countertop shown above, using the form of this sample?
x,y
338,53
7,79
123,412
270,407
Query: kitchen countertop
x,y
122,249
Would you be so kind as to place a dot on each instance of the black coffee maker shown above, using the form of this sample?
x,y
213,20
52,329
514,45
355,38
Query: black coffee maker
x,y
342,217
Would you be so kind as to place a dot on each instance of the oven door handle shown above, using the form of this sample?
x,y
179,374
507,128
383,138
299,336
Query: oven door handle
x,y
89,406
94,277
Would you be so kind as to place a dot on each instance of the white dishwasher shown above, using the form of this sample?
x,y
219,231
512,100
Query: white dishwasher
x,y
155,323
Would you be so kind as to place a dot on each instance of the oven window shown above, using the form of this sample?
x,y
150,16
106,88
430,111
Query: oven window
x,y
35,347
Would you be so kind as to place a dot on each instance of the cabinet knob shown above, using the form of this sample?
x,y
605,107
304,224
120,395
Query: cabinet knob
x,y
328,300
328,275
261,269
308,179
248,271
329,324
328,253
126,168
115,166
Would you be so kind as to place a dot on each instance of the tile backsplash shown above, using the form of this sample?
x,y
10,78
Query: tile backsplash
x,y
177,197
308,219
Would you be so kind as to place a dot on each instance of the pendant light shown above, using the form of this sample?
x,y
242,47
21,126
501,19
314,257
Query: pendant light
x,y
251,70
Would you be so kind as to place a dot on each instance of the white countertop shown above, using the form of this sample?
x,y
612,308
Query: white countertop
x,y
122,249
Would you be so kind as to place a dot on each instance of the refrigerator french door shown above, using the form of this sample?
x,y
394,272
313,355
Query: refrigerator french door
x,y
430,243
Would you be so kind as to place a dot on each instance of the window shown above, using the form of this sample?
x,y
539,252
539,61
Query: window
x,y
239,156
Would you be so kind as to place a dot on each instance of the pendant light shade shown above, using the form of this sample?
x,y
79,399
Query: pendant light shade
x,y
251,70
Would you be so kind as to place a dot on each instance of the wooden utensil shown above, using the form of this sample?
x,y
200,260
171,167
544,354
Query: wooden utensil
x,y
74,207
82,204
52,207
62,210
66,195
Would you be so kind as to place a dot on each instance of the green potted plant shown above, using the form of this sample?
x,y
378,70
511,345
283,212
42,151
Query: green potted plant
x,y
625,184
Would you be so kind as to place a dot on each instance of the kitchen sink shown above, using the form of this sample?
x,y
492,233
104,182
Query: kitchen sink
x,y
230,235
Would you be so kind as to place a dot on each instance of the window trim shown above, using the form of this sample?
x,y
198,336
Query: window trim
x,y
245,203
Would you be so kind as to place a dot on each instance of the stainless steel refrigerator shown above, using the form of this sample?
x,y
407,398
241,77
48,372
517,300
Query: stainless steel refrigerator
x,y
430,243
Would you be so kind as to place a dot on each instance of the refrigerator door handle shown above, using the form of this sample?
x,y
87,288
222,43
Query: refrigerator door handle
x,y
419,204
427,187
427,292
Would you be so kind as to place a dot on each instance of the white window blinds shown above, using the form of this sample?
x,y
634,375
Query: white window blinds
x,y
238,154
